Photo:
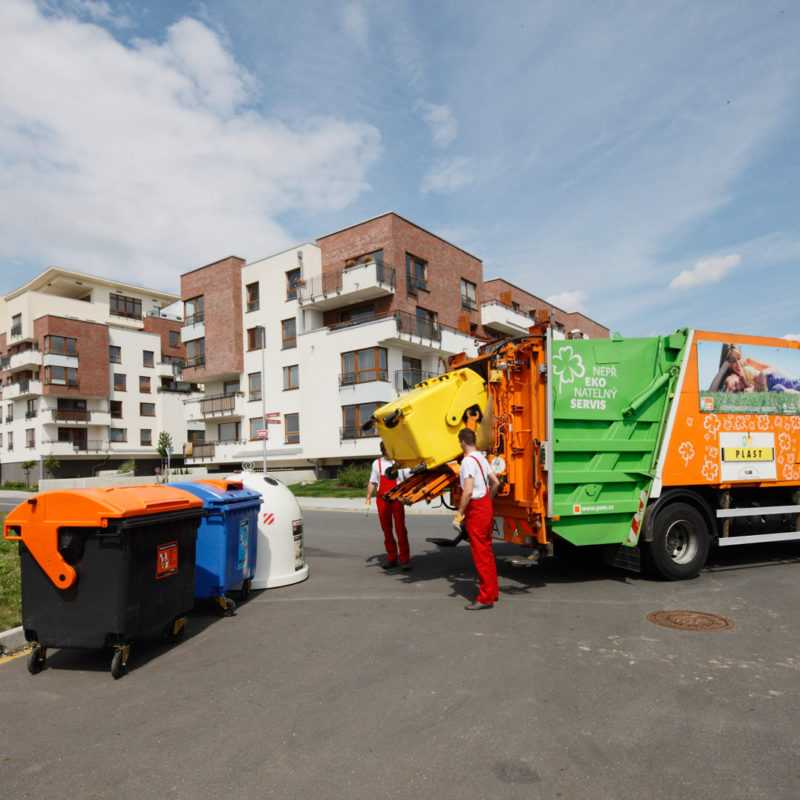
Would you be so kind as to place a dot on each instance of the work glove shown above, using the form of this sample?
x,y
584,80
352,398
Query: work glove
x,y
367,504
458,521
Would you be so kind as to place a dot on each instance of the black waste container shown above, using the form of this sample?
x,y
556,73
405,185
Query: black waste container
x,y
102,567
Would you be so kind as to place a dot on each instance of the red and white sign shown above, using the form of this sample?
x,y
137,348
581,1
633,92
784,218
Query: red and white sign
x,y
272,415
262,434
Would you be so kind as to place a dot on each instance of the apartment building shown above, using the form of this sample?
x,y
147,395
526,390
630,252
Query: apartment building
x,y
91,375
322,334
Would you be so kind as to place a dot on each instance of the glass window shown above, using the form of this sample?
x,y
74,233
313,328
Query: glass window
x,y
426,323
253,300
10,440
121,306
360,366
229,431
254,386
255,338
230,387
174,339
292,428
116,409
468,295
416,274
114,354
195,353
195,436
147,409
193,310
10,413
119,382
61,345
288,333
30,437
148,358
353,417
16,330
61,376
144,384
118,434
292,277
146,437
256,424
291,377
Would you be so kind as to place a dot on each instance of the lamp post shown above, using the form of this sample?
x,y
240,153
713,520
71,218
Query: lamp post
x,y
263,396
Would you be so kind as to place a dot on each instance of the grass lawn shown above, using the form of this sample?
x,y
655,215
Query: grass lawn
x,y
326,488
10,599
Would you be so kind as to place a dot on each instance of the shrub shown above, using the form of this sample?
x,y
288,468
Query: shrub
x,y
355,475
126,466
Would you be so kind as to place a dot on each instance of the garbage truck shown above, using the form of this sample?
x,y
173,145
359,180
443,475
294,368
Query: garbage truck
x,y
654,448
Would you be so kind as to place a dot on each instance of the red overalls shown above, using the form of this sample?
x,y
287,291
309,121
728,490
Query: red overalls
x,y
479,521
386,511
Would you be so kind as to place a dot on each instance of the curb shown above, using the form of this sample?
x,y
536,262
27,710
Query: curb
x,y
12,640
356,505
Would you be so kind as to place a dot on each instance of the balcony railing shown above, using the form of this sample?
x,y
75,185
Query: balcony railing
x,y
30,414
79,445
332,282
195,319
365,376
351,432
406,379
196,361
208,449
70,415
219,403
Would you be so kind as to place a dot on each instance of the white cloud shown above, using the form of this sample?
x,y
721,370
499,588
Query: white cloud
x,y
145,159
449,176
443,125
96,10
354,19
569,301
706,270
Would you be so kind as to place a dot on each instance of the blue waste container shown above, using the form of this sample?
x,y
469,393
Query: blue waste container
x,y
226,539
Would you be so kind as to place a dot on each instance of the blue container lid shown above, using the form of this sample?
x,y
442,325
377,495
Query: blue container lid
x,y
219,493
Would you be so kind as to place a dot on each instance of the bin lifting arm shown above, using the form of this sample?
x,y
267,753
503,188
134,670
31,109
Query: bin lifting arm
x,y
41,539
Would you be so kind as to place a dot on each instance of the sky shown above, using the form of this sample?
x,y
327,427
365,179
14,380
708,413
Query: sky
x,y
637,162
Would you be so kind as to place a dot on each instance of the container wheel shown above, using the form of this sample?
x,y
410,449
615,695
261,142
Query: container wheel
x,y
680,542
225,606
245,590
36,659
174,631
119,662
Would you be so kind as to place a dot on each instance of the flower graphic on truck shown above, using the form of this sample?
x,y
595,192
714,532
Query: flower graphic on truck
x,y
568,365
711,423
687,452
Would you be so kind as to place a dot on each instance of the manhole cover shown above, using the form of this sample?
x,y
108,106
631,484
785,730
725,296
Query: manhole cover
x,y
690,620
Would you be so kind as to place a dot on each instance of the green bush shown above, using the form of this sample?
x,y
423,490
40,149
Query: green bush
x,y
126,466
15,485
355,475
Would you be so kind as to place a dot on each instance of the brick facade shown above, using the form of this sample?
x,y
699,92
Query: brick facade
x,y
220,285
163,327
92,345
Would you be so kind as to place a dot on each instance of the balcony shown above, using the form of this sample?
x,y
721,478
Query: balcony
x,y
25,359
406,379
171,368
366,376
58,448
70,415
19,389
214,451
216,407
193,330
347,286
504,319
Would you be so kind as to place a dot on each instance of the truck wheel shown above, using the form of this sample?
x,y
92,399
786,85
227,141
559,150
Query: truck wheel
x,y
680,542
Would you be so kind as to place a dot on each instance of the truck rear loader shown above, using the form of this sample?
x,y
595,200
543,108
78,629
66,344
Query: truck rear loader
x,y
656,448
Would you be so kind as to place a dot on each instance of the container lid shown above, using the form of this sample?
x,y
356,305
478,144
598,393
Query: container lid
x,y
216,493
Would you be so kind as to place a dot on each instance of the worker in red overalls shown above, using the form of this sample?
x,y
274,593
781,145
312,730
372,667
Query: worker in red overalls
x,y
479,485
388,512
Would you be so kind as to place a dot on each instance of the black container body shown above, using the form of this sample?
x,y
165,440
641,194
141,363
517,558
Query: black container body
x,y
134,577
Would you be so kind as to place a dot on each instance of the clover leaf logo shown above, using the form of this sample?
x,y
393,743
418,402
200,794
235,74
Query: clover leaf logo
x,y
568,365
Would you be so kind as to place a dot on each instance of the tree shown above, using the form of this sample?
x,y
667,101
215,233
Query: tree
x,y
164,448
51,463
27,466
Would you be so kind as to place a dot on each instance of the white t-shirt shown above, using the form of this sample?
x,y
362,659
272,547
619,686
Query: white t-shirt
x,y
379,467
469,468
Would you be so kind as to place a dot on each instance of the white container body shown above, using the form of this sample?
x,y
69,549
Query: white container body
x,y
280,558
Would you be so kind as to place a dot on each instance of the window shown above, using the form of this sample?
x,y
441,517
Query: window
x,y
174,339
256,424
121,306
253,299
16,330
289,333
10,413
229,432
357,313
61,345
292,277
468,295
230,387
291,377
254,386
118,434
119,382
291,428
353,417
114,354
411,374
147,409
144,384
146,437
193,311
30,409
30,437
148,358
1,440
360,366
416,274
255,338
61,376
10,440
195,353
116,409
426,323
195,437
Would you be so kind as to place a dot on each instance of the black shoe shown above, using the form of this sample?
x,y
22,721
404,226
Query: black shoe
x,y
388,565
476,606
406,566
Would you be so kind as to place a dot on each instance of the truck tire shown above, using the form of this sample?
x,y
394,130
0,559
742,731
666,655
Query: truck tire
x,y
680,542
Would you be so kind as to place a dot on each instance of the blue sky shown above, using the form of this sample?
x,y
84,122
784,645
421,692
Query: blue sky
x,y
635,161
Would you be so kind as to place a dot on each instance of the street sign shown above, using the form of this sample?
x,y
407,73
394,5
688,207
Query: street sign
x,y
272,415
262,434
271,421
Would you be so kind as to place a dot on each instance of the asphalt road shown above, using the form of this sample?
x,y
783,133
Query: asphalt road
x,y
362,684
